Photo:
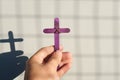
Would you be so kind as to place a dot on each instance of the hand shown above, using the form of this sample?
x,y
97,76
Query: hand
x,y
43,65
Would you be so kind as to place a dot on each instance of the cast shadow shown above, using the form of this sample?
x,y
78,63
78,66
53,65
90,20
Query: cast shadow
x,y
12,63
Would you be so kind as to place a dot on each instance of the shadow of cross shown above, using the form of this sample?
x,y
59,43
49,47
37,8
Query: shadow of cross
x,y
56,30
12,63
11,40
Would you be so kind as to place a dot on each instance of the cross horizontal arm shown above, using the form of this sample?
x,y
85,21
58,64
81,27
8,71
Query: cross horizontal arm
x,y
7,40
49,30
4,40
18,40
64,30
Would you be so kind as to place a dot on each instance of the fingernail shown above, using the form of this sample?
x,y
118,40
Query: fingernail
x,y
61,47
58,51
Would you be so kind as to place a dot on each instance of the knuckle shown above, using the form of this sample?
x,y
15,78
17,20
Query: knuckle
x,y
32,60
53,63
69,66
50,70
45,49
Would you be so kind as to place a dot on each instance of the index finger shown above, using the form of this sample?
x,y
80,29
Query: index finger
x,y
41,54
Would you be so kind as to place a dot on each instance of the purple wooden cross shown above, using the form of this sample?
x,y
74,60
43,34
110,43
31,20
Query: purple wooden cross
x,y
56,30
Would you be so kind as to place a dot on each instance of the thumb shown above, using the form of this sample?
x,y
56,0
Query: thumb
x,y
55,59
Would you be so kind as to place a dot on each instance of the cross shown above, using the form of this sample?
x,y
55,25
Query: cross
x,y
11,40
56,30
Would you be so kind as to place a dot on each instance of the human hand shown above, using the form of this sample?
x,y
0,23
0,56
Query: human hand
x,y
43,65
